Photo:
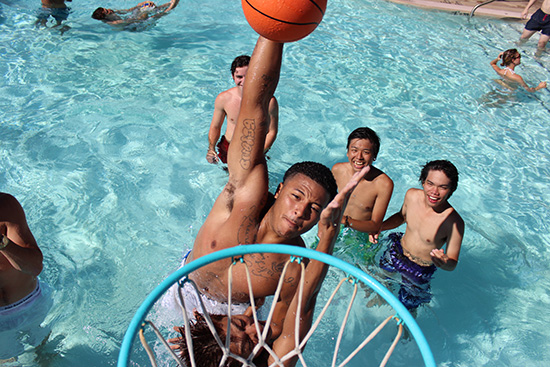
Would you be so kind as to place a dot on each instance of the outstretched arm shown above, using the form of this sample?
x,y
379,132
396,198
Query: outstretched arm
x,y
315,272
166,9
245,158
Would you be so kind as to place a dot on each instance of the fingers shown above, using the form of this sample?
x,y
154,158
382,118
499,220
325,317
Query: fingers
x,y
373,237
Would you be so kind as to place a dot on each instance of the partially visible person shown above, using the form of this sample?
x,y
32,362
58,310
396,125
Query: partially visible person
x,y
431,223
510,59
281,339
540,21
52,8
142,12
226,107
23,305
244,213
367,207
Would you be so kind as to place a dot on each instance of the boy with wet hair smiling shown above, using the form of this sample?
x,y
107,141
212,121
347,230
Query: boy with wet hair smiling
x,y
431,223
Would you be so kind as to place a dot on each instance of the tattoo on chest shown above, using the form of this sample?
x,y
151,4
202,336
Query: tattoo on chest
x,y
260,266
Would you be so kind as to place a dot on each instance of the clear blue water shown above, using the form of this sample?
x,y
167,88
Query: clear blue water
x,y
103,138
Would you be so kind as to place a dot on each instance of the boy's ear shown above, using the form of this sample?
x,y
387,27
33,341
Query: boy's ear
x,y
279,188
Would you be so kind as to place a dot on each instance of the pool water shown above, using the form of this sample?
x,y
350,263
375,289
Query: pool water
x,y
103,137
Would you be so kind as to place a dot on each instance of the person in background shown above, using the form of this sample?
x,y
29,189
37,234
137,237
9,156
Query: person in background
x,y
431,223
367,206
23,304
540,21
54,8
140,13
227,106
510,59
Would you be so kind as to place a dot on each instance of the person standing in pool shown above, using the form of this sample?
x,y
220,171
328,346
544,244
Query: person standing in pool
x,y
431,223
226,106
243,214
540,21
367,207
57,9
23,305
510,59
143,11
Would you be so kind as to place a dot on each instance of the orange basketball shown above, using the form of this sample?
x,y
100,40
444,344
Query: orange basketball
x,y
284,20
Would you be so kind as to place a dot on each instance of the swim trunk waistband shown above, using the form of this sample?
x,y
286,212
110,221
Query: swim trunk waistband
x,y
28,298
191,296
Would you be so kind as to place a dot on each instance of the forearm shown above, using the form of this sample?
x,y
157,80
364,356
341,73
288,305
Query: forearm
x,y
393,222
450,265
529,5
368,226
213,137
252,123
24,259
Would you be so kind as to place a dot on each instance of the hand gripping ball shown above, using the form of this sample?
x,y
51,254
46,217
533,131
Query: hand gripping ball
x,y
284,20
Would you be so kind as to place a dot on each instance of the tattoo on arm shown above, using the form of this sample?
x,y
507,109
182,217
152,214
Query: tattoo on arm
x,y
247,143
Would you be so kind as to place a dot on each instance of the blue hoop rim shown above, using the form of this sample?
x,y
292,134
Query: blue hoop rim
x,y
156,294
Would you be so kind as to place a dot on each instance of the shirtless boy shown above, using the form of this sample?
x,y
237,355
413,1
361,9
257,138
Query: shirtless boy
x,y
22,304
431,222
227,105
242,215
367,206
540,21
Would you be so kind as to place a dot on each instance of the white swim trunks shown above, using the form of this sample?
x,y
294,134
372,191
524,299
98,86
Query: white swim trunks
x,y
20,323
171,300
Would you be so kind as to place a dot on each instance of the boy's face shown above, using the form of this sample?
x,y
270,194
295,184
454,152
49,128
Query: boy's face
x,y
437,188
239,75
360,153
300,201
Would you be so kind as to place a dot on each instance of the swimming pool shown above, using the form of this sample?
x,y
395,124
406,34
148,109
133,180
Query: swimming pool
x,y
103,139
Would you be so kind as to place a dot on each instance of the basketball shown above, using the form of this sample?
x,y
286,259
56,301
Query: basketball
x,y
284,20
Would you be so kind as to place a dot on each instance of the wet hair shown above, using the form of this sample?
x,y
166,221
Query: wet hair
x,y
239,62
317,172
206,350
99,14
444,166
368,134
508,56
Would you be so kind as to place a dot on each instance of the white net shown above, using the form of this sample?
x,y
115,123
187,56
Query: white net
x,y
343,297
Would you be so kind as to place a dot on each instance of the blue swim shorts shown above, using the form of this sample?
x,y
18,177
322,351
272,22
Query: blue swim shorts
x,y
58,14
415,284
539,21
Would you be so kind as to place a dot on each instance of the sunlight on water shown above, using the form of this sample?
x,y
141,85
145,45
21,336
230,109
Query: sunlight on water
x,y
104,134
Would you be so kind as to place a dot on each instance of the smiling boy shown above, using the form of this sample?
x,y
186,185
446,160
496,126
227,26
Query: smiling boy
x,y
431,223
